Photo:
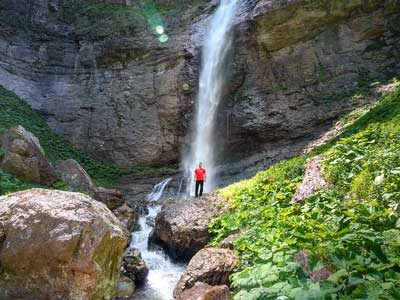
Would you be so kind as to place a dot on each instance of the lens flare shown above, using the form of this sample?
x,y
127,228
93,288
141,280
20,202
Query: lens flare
x,y
159,29
163,38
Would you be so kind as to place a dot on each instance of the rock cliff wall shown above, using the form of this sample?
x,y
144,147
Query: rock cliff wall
x,y
99,73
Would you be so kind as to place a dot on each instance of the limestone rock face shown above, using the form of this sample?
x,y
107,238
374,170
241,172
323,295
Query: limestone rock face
x,y
211,266
58,245
181,225
24,157
203,291
123,96
71,172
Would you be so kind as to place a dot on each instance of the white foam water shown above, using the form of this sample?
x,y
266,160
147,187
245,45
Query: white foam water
x,y
158,190
164,273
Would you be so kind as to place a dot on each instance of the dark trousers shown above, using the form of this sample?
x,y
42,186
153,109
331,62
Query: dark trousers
x,y
199,184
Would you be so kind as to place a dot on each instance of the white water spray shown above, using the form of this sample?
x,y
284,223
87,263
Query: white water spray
x,y
216,46
158,190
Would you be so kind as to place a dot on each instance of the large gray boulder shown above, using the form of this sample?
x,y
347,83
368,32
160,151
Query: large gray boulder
x,y
72,174
181,227
58,245
75,176
24,157
211,266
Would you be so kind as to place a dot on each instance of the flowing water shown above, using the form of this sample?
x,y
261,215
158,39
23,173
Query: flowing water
x,y
216,45
164,274
158,189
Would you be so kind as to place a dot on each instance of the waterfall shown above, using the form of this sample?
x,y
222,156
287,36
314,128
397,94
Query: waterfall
x,y
216,45
158,189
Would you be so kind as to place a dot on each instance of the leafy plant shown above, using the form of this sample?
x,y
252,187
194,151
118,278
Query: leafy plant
x,y
348,233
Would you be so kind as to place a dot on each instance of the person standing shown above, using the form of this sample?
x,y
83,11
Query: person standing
x,y
199,178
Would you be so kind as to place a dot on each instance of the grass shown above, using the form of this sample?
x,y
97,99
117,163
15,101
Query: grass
x,y
350,230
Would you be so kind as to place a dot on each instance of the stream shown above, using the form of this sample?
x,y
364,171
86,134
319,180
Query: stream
x,y
164,273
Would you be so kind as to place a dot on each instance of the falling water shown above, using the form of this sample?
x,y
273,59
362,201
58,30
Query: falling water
x,y
158,189
216,46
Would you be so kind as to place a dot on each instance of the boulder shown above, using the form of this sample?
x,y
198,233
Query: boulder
x,y
204,291
313,180
211,266
72,174
24,157
181,227
133,266
58,245
110,197
127,216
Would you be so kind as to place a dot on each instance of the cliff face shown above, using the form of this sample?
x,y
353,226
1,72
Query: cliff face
x,y
104,80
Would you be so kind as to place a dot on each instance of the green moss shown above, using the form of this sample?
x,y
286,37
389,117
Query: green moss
x,y
346,227
108,257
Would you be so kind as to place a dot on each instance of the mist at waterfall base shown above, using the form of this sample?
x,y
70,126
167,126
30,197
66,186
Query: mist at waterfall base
x,y
216,45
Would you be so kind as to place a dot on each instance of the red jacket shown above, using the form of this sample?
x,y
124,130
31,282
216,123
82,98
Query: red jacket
x,y
200,174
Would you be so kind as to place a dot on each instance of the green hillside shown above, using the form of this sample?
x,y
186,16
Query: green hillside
x,y
350,230
15,111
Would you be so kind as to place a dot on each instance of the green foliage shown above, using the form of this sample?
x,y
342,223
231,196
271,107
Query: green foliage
x,y
98,19
351,228
10,184
15,111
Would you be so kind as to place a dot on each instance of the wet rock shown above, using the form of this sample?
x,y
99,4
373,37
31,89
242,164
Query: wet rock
x,y
110,197
203,291
58,245
211,266
181,226
134,267
127,216
24,157
313,180
72,174
125,287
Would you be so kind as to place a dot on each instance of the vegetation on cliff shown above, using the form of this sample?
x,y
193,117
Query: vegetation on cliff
x,y
15,111
343,242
